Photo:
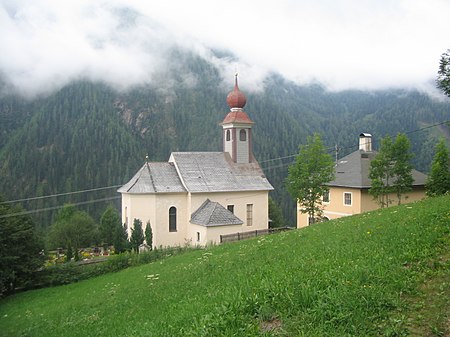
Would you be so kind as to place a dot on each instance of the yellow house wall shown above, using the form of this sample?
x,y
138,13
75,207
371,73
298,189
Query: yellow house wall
x,y
362,201
335,208
369,204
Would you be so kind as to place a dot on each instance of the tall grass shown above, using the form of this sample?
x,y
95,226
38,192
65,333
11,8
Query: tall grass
x,y
349,277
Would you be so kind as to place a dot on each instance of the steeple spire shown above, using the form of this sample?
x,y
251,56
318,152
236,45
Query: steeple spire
x,y
236,98
237,133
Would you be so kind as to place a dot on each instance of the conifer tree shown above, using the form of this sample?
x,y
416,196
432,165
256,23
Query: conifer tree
x,y
120,240
308,176
137,235
438,182
109,221
149,235
275,215
69,253
20,248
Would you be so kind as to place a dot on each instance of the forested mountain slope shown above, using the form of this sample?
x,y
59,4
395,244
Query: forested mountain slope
x,y
88,135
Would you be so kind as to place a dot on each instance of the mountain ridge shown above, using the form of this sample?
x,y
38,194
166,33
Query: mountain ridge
x,y
88,135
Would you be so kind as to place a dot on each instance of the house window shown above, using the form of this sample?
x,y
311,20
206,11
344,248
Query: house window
x,y
172,219
231,208
326,197
198,236
249,214
126,216
347,198
242,135
228,135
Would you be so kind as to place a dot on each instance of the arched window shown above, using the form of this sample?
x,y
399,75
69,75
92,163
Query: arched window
x,y
242,135
228,137
172,219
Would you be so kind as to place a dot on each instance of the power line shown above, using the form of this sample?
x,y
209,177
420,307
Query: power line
x,y
60,194
329,149
333,148
427,127
56,207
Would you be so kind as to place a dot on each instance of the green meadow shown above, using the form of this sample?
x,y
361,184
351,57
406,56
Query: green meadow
x,y
383,273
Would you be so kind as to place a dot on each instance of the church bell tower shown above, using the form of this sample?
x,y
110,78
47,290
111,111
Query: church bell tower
x,y
237,128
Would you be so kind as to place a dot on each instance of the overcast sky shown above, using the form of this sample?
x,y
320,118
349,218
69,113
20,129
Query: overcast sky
x,y
365,44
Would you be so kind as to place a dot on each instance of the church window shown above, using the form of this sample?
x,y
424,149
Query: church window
x,y
242,135
231,208
347,198
228,137
249,214
172,219
198,236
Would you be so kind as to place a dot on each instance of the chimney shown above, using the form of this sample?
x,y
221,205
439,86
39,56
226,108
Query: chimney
x,y
365,142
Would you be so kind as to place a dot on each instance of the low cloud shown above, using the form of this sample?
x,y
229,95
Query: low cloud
x,y
342,44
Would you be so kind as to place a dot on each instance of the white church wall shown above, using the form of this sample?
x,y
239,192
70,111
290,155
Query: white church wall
x,y
163,203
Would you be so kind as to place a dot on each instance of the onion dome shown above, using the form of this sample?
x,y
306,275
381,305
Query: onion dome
x,y
236,99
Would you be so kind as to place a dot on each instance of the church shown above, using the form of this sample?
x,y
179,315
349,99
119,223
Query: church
x,y
195,197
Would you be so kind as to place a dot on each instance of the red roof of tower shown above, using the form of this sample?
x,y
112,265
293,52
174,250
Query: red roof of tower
x,y
238,116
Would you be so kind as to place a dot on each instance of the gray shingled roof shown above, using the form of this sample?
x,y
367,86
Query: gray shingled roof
x,y
216,172
212,213
154,178
353,171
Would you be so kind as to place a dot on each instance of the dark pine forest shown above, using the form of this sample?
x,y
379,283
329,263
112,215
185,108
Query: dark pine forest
x,y
87,135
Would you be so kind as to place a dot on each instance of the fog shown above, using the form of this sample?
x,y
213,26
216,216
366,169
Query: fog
x,y
344,44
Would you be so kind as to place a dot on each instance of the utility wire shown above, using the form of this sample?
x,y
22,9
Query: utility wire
x,y
333,148
60,194
329,149
56,207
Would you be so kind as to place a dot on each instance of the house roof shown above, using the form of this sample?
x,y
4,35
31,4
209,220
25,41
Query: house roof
x,y
197,172
211,214
154,178
353,171
216,172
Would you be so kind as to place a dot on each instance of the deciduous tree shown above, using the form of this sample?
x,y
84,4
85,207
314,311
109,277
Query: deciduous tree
x,y
443,80
72,227
438,182
390,170
308,176
402,168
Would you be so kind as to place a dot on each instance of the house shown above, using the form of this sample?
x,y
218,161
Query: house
x,y
195,197
349,191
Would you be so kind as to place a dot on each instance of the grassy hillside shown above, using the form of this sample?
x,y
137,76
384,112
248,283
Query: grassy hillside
x,y
384,273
